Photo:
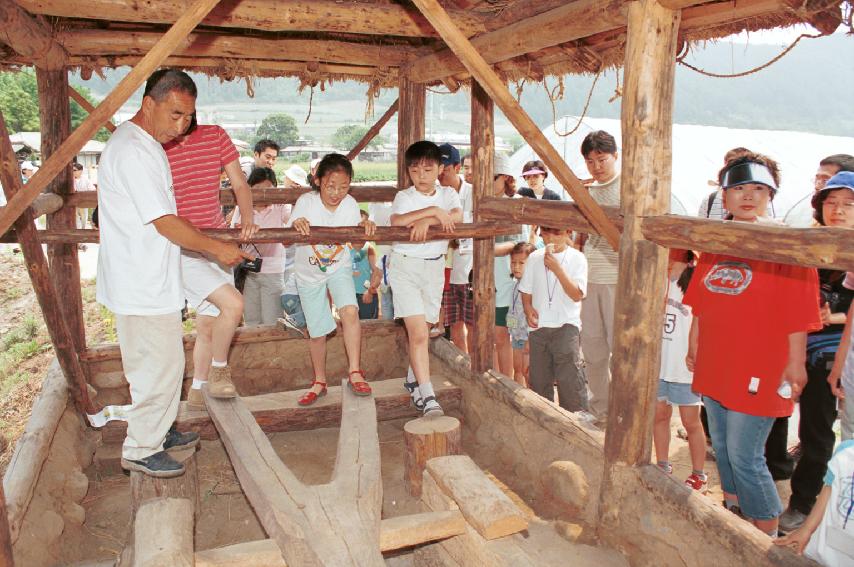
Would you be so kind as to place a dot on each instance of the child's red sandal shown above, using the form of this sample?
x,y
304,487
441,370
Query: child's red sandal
x,y
359,388
311,396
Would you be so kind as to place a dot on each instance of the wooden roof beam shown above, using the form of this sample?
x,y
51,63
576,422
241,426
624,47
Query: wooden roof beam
x,y
566,23
30,37
331,16
108,42
83,133
497,90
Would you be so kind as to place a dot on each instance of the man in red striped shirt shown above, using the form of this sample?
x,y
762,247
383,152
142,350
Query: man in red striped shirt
x,y
197,159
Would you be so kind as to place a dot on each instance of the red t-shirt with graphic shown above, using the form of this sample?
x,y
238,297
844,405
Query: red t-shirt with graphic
x,y
196,163
747,309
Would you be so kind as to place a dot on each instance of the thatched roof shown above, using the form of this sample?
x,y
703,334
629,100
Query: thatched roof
x,y
368,40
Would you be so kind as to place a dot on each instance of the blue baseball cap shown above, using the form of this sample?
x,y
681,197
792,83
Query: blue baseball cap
x,y
842,180
450,154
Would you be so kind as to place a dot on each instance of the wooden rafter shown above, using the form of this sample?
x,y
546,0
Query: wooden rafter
x,y
373,130
69,148
270,15
497,90
93,42
571,21
29,37
75,95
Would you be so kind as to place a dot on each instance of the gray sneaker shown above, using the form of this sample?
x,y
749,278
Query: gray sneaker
x,y
791,520
159,465
287,323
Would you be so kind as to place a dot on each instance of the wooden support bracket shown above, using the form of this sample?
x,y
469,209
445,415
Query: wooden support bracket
x,y
75,95
374,130
490,82
193,14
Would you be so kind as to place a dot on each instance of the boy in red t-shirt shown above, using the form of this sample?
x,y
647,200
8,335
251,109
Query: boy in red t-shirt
x,y
748,346
196,159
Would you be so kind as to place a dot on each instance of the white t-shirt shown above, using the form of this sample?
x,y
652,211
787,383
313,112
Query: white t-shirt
x,y
542,285
832,543
411,199
674,341
462,258
314,263
139,271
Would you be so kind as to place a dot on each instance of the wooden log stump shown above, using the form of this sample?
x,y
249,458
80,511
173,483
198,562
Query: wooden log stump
x,y
425,438
144,487
163,533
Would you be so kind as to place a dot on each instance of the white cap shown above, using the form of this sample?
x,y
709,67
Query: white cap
x,y
501,165
27,165
297,174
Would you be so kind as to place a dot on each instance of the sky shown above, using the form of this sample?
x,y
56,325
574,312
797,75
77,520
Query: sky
x,y
778,36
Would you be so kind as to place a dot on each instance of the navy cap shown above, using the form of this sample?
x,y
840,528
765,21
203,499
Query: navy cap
x,y
450,154
748,172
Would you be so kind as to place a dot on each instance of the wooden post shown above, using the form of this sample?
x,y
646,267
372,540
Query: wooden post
x,y
177,34
410,123
481,347
55,122
647,115
497,90
425,438
87,106
373,131
63,345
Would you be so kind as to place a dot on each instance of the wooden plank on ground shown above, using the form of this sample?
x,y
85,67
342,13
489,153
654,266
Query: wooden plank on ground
x,y
482,503
395,533
163,533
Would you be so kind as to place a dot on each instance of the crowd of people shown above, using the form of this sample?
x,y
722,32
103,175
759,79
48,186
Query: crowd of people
x,y
742,339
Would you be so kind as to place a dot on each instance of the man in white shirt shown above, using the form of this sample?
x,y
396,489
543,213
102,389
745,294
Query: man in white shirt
x,y
139,268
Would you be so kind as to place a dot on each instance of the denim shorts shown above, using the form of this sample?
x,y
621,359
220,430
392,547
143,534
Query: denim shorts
x,y
518,344
315,301
739,443
677,394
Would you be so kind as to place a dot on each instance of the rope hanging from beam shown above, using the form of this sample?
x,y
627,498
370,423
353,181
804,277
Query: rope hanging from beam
x,y
552,98
681,60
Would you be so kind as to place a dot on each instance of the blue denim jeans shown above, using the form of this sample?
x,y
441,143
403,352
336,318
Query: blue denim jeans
x,y
739,442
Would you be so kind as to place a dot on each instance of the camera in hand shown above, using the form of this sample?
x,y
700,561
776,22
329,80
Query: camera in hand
x,y
252,265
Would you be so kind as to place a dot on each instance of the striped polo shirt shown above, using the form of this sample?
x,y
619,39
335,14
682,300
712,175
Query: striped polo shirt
x,y
196,163
602,260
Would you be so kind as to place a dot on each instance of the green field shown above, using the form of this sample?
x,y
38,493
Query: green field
x,y
365,171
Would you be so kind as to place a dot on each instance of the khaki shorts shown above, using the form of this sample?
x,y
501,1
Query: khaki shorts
x,y
417,286
201,277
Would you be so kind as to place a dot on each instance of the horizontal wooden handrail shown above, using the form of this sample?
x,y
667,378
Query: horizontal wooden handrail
x,y
562,214
319,235
278,195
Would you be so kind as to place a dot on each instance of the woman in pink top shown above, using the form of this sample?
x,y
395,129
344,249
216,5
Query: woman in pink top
x,y
262,291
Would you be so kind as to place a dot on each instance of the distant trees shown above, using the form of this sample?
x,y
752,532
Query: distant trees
x,y
281,128
347,136
19,102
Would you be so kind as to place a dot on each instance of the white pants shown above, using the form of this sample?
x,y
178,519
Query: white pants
x,y
153,361
597,336
262,298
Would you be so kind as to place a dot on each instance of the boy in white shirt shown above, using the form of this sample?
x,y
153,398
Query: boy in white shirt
x,y
417,274
552,287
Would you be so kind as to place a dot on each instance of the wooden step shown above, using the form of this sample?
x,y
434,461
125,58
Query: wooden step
x,y
279,411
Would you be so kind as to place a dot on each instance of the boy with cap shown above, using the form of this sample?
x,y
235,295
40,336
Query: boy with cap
x,y
457,304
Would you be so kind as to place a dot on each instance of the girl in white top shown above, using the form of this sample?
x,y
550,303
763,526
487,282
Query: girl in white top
x,y
325,269
674,384
262,291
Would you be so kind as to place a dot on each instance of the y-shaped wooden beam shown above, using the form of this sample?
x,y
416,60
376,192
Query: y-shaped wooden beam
x,y
333,525
96,119
497,90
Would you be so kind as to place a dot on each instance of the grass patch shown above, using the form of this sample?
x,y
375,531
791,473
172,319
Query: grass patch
x,y
109,325
12,293
363,171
